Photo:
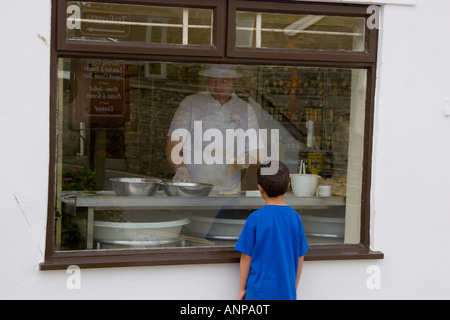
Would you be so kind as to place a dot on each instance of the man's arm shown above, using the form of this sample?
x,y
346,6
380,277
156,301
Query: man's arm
x,y
174,154
244,271
170,147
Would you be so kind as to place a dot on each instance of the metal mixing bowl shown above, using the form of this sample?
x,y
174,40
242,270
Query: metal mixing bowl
x,y
135,186
187,189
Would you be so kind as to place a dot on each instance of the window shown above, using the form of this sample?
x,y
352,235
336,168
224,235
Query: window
x,y
139,24
187,27
309,31
120,110
285,31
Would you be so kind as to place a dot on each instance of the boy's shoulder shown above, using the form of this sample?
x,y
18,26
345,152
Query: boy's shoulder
x,y
261,210
271,209
277,208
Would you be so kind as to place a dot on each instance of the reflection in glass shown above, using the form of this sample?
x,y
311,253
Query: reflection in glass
x,y
90,21
114,120
309,32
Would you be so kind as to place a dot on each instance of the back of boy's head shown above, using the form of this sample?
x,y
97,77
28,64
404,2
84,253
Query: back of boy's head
x,y
276,184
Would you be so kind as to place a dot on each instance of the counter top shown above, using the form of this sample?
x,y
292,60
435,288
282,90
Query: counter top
x,y
108,199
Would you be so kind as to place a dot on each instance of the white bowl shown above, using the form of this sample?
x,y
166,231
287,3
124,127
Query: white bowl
x,y
215,228
324,226
142,227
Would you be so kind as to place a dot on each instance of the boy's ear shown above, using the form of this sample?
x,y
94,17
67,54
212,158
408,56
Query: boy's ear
x,y
261,190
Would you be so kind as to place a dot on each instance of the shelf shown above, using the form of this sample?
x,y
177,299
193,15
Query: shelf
x,y
105,200
109,200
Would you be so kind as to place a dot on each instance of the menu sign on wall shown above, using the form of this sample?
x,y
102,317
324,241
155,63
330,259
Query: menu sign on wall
x,y
105,24
103,92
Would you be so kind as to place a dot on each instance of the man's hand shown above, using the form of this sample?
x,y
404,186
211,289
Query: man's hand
x,y
181,175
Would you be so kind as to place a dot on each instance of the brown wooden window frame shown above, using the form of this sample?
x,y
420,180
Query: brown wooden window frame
x,y
369,54
215,50
224,51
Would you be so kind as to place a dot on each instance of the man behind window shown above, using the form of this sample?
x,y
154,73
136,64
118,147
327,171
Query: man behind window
x,y
219,109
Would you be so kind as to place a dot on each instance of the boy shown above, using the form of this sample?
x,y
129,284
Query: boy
x,y
272,244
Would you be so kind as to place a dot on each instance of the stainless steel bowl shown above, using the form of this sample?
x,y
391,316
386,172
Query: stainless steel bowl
x,y
135,186
187,189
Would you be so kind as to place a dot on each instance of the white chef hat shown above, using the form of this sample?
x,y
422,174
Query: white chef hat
x,y
220,71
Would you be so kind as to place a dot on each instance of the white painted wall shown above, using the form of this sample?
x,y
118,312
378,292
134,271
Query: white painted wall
x,y
411,199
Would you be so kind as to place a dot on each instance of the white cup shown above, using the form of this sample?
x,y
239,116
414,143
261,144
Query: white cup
x,y
324,191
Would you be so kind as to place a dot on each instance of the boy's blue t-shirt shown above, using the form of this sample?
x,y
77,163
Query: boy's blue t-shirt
x,y
274,237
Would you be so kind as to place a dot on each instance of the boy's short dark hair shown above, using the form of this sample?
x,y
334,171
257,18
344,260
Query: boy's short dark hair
x,y
274,185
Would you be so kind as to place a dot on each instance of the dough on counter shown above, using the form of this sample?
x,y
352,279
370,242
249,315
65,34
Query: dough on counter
x,y
338,186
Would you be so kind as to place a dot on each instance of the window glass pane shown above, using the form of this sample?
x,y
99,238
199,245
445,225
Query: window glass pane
x,y
90,21
294,31
117,118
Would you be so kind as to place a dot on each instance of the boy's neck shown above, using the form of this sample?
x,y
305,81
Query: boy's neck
x,y
277,201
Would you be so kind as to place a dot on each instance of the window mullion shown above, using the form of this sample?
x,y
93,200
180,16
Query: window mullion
x,y
258,30
185,26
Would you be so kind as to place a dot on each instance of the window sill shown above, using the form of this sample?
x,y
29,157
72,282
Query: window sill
x,y
342,252
134,258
